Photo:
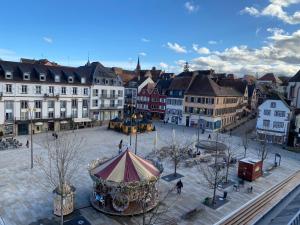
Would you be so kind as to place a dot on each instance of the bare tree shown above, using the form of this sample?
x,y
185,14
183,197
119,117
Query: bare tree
x,y
213,173
159,214
263,151
230,153
245,142
60,163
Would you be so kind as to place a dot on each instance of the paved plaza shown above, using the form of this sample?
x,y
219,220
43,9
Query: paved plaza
x,y
23,200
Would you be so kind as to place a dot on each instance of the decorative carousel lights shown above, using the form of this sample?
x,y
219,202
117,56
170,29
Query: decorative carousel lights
x,y
124,184
134,124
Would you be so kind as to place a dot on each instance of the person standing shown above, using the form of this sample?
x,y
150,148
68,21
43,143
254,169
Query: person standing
x,y
27,144
179,186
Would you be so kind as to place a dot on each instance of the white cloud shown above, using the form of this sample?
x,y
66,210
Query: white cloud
x,y
163,65
176,47
145,40
257,31
280,54
191,7
142,54
251,11
276,8
202,50
9,55
48,40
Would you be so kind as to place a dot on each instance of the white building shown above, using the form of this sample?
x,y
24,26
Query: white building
x,y
174,102
53,97
273,121
293,90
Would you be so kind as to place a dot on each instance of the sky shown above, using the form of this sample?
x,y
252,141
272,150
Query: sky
x,y
232,36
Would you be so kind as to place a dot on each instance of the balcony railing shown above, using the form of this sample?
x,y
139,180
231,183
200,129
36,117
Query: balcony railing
x,y
51,96
103,106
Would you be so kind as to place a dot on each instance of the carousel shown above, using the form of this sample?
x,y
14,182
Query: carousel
x,y
124,184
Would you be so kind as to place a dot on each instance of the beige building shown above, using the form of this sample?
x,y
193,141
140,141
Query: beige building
x,y
212,106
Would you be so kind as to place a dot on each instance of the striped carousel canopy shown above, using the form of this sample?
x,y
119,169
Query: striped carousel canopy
x,y
126,167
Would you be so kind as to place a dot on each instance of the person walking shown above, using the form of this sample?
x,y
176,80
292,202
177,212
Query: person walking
x,y
120,146
179,186
209,137
27,144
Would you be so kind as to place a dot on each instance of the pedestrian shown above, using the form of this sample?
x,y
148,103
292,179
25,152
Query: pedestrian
x,y
179,186
27,144
120,146
209,137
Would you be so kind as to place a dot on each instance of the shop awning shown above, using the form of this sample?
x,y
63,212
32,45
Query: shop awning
x,y
38,123
81,120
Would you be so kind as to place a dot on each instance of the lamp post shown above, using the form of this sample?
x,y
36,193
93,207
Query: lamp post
x,y
31,111
136,134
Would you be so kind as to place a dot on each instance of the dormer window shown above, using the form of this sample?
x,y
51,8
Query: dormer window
x,y
70,79
42,77
57,78
8,75
82,80
26,76
106,81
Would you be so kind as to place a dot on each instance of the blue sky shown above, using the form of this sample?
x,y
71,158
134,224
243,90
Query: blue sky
x,y
228,36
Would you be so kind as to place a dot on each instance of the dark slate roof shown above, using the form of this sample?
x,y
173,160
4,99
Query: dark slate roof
x,y
135,82
270,77
180,83
237,84
163,85
296,77
251,88
89,72
202,85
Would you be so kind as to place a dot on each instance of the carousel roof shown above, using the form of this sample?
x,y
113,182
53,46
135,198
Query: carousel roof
x,y
126,167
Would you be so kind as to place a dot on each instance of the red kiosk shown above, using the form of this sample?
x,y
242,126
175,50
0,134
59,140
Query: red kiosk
x,y
250,169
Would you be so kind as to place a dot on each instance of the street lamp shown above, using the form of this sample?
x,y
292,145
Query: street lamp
x,y
136,134
31,110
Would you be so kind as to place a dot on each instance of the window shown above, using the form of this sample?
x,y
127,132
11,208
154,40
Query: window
x,y
74,90
51,104
51,90
95,92
192,99
85,103
38,104
82,80
119,102
24,104
57,78
8,75
70,79
85,91
63,104
50,114
24,89
37,115
278,124
8,88
266,123
26,76
120,93
38,89
279,113
74,103
267,112
62,114
273,104
63,90
42,77
95,103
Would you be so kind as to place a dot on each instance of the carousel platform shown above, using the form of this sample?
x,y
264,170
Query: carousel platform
x,y
134,208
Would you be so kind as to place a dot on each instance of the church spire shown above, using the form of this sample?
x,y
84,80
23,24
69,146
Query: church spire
x,y
138,66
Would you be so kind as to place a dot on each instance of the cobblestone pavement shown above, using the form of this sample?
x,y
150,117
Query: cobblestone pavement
x,y
23,200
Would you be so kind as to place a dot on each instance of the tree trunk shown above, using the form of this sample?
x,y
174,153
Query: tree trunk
x,y
245,152
61,207
175,167
227,171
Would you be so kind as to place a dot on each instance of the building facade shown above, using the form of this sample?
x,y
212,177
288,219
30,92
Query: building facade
x,y
51,97
175,99
273,121
209,105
